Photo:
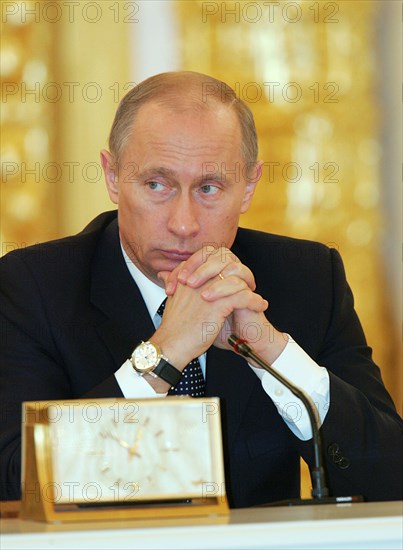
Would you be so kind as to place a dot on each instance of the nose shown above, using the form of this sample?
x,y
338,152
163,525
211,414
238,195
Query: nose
x,y
183,218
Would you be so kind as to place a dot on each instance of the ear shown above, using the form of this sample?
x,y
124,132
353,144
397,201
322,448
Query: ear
x,y
110,169
253,175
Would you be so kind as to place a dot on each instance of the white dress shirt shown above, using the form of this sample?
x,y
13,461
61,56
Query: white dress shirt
x,y
293,363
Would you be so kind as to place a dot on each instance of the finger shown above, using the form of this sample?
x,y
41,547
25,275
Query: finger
x,y
220,288
196,261
164,276
217,267
238,269
203,260
224,286
170,279
244,299
223,264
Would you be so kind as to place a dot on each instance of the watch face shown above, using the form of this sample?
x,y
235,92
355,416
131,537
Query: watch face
x,y
144,450
146,357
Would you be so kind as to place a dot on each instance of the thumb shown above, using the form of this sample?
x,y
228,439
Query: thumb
x,y
169,287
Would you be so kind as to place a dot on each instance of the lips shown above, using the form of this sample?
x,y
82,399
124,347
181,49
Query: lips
x,y
177,255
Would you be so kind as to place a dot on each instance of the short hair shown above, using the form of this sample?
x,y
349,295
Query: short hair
x,y
179,90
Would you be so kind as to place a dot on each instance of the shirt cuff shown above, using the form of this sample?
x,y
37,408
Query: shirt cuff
x,y
132,384
300,369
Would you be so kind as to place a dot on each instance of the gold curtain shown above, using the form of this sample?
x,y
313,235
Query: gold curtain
x,y
65,66
28,130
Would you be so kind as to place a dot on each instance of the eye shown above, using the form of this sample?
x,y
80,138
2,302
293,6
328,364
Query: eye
x,y
209,189
155,185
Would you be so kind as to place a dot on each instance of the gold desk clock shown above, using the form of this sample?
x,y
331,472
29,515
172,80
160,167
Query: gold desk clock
x,y
97,459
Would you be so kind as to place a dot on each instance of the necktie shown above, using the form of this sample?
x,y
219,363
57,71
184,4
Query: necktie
x,y
192,381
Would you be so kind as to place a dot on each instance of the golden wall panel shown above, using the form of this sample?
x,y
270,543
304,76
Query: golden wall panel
x,y
28,198
65,67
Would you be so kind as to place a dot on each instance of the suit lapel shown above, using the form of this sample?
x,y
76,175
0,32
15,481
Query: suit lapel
x,y
125,320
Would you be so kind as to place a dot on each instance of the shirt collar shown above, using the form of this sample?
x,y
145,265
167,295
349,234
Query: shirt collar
x,y
152,294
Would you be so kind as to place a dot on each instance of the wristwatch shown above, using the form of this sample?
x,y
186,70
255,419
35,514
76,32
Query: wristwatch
x,y
147,358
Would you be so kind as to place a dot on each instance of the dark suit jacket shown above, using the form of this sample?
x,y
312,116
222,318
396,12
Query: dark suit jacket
x,y
71,315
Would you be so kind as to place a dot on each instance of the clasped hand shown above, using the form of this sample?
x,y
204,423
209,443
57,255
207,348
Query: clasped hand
x,y
210,296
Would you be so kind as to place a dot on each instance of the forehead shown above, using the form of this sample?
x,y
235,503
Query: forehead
x,y
188,125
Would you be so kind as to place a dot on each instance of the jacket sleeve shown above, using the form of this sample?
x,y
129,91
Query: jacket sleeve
x,y
362,432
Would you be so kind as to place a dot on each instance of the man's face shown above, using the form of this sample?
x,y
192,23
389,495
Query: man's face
x,y
181,183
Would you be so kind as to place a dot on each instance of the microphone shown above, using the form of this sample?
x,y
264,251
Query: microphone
x,y
320,492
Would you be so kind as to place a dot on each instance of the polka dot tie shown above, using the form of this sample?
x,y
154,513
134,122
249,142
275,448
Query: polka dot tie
x,y
192,381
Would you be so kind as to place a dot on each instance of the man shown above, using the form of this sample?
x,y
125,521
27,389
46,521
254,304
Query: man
x,y
181,169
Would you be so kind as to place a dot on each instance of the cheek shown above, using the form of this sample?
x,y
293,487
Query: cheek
x,y
230,221
220,227
133,204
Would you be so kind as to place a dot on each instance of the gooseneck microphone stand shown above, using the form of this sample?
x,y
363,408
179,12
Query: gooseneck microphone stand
x,y
320,492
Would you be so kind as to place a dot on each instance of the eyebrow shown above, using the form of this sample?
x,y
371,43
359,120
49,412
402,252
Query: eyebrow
x,y
160,171
167,172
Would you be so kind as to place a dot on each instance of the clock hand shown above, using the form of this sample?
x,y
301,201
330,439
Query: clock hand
x,y
133,448
136,442
116,438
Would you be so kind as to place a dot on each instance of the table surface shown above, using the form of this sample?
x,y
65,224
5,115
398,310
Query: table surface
x,y
369,525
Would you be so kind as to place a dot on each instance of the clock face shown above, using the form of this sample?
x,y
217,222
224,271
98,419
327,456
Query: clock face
x,y
145,450
145,356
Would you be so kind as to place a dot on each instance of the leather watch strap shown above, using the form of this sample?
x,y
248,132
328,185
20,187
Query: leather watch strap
x,y
167,372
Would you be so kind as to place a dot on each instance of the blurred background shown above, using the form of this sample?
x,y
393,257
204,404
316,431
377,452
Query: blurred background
x,y
323,80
